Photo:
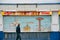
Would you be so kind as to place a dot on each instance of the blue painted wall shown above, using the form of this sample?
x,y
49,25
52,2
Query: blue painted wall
x,y
54,36
32,36
29,36
1,35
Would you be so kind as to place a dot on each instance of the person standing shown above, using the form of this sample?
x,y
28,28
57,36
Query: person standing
x,y
18,32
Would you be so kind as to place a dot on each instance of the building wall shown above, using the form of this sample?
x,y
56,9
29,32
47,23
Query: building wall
x,y
34,8
1,27
29,1
55,22
1,22
30,7
55,17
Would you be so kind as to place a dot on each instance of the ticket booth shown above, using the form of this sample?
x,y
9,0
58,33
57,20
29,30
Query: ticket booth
x,y
31,23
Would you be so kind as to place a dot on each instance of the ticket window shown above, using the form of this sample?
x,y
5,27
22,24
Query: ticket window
x,y
28,23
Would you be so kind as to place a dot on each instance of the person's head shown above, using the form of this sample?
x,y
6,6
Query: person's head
x,y
18,25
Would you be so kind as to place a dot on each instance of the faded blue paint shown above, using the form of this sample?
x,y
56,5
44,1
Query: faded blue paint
x,y
29,36
54,36
1,35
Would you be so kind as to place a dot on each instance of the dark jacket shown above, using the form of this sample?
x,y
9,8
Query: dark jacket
x,y
18,29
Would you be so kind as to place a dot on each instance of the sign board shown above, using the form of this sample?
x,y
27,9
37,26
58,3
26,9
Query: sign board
x,y
27,13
